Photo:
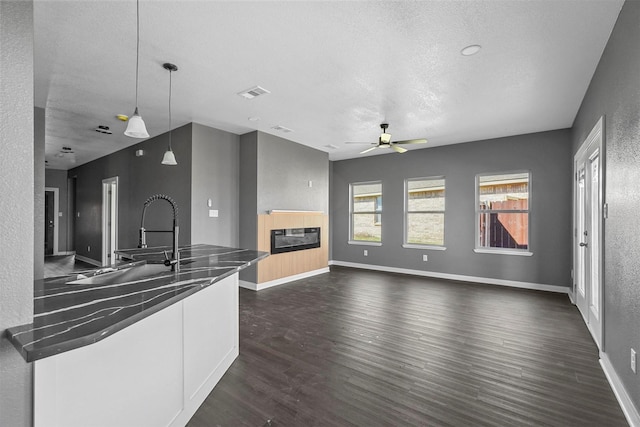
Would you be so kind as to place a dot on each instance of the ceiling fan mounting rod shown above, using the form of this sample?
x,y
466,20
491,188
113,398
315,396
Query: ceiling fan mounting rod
x,y
384,126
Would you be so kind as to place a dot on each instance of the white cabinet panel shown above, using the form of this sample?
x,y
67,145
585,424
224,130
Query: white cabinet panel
x,y
153,373
206,343
132,378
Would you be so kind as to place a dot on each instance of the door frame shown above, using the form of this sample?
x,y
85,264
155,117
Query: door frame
x,y
595,140
106,183
56,221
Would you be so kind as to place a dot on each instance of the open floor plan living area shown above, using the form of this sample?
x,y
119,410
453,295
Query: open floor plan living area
x,y
319,213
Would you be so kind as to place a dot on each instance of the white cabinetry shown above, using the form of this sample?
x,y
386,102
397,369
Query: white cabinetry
x,y
155,372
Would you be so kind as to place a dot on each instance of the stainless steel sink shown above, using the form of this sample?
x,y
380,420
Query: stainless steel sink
x,y
107,276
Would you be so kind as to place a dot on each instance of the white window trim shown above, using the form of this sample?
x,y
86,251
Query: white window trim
x,y
406,212
351,213
502,251
428,247
364,243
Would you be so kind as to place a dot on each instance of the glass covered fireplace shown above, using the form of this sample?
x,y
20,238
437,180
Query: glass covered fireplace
x,y
294,239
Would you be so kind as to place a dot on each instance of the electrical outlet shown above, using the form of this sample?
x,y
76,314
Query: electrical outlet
x,y
366,252
633,360
425,257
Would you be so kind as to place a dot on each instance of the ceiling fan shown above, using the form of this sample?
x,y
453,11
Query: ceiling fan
x,y
385,142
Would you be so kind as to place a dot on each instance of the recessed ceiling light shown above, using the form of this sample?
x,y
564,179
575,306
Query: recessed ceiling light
x,y
281,128
471,50
253,119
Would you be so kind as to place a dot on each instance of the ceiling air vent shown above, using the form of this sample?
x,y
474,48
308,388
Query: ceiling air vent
x,y
253,92
103,129
282,129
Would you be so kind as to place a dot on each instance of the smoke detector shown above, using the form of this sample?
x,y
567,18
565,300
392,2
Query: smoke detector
x,y
253,92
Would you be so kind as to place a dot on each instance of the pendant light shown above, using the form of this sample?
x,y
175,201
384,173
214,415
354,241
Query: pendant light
x,y
136,127
169,158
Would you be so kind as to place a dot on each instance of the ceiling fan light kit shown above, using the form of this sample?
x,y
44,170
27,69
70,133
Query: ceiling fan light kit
x,y
385,142
136,127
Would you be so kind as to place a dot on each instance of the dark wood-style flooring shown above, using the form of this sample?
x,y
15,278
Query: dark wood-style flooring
x,y
361,348
60,265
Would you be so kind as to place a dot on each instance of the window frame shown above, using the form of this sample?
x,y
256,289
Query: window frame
x,y
378,210
478,212
405,243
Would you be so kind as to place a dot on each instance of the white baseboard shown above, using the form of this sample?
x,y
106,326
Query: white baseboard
x,y
282,281
88,260
628,408
485,280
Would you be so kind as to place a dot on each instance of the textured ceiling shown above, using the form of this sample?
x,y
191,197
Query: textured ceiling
x,y
335,70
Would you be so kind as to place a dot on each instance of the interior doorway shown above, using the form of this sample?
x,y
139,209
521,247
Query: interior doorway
x,y
51,209
588,225
109,220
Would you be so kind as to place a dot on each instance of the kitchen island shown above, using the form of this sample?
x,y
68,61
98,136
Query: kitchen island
x,y
137,344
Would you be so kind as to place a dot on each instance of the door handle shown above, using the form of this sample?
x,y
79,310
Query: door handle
x,y
584,244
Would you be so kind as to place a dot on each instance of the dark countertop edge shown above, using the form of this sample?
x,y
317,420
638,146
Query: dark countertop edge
x,y
52,350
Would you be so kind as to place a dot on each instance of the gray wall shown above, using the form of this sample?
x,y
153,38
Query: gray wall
x,y
38,192
16,205
547,155
139,178
214,176
248,164
284,171
58,179
615,94
275,174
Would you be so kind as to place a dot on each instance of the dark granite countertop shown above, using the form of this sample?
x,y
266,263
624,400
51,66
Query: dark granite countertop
x,y
82,308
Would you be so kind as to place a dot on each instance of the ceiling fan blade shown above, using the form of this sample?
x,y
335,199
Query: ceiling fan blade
x,y
368,149
412,141
397,149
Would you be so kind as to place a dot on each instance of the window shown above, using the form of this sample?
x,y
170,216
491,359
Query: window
x,y
502,214
366,212
424,211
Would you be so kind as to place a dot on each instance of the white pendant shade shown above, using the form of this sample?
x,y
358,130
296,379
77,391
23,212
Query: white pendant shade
x,y
169,158
136,127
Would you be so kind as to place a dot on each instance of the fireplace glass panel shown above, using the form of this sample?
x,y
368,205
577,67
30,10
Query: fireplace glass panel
x,y
294,239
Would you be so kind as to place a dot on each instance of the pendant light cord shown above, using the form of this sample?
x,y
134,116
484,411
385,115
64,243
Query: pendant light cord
x,y
170,110
137,47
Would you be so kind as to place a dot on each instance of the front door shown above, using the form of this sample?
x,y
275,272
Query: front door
x,y
588,232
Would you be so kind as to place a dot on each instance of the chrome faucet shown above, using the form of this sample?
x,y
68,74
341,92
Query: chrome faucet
x,y
174,261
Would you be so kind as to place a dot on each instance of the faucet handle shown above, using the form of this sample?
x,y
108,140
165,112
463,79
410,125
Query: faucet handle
x,y
168,261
